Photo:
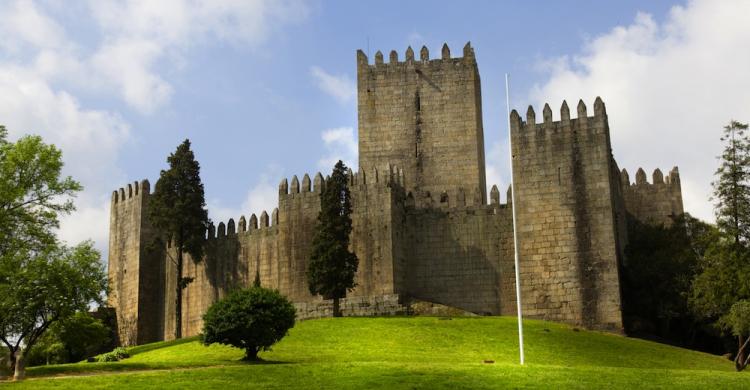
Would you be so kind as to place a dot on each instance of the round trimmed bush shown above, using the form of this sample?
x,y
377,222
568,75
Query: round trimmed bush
x,y
252,319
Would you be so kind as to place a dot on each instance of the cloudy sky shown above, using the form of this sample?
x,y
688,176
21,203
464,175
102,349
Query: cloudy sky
x,y
266,88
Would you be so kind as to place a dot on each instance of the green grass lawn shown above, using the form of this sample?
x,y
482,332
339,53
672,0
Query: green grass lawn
x,y
418,352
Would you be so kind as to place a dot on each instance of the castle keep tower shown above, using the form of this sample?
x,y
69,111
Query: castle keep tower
x,y
424,116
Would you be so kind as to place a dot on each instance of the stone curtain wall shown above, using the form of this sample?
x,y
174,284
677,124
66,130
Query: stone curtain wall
x,y
657,202
566,217
424,116
462,257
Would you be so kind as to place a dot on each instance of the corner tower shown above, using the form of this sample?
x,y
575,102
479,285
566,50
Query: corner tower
x,y
424,116
135,267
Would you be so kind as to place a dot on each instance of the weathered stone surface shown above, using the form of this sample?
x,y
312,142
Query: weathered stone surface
x,y
422,228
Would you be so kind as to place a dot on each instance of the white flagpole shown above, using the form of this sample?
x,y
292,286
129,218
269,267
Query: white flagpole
x,y
515,236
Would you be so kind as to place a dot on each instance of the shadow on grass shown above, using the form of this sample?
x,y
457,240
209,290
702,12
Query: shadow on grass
x,y
261,362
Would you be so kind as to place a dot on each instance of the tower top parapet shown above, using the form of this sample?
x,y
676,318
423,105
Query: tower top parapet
x,y
409,58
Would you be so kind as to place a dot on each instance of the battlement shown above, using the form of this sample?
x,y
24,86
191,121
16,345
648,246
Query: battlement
x,y
228,230
658,178
656,202
133,190
548,126
424,58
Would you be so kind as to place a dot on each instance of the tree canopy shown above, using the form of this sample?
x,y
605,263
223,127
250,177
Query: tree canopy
x,y
332,266
252,319
38,289
33,193
41,280
724,272
178,211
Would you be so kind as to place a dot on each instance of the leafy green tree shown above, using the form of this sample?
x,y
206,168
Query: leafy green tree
x,y
724,272
723,279
71,340
732,187
32,194
332,265
178,210
46,287
252,319
738,322
661,264
40,281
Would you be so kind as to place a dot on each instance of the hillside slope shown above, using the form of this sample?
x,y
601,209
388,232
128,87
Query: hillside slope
x,y
424,352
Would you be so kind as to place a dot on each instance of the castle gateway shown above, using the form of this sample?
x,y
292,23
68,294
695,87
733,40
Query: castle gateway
x,y
423,229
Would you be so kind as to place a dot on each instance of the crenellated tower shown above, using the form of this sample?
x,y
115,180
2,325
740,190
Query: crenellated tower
x,y
424,116
567,184
135,267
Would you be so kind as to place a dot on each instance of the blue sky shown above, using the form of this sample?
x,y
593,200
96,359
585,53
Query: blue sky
x,y
265,89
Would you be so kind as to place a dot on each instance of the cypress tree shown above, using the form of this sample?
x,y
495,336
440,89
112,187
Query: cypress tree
x,y
332,266
178,210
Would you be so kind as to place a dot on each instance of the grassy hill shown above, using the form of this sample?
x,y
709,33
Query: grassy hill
x,y
420,352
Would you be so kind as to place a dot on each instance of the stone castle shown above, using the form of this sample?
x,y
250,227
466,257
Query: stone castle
x,y
423,229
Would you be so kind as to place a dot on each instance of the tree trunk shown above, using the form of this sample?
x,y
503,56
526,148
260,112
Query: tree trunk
x,y
336,308
740,362
178,299
251,354
11,361
20,369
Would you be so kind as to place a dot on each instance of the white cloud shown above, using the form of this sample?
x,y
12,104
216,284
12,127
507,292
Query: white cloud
x,y
669,89
496,163
341,87
138,34
89,139
42,67
263,196
128,64
340,144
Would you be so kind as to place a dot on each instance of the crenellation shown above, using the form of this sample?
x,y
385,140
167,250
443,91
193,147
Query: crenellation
x,y
640,177
393,57
424,54
230,228
582,110
564,114
294,188
547,114
306,183
658,177
530,117
624,177
263,219
318,183
242,224
283,187
494,195
446,52
221,231
275,216
253,222
409,54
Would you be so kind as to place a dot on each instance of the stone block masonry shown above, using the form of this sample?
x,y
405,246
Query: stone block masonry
x,y
426,237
